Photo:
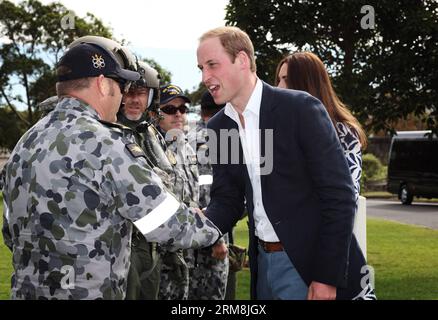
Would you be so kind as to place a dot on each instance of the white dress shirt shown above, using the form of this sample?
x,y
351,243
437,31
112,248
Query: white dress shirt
x,y
249,137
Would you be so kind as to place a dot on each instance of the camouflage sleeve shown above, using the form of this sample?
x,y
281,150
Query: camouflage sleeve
x,y
7,238
222,240
142,198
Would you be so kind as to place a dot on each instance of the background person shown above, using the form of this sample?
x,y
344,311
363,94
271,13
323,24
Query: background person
x,y
305,71
209,275
144,276
171,118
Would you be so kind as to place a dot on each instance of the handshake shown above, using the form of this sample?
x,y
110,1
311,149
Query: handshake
x,y
220,249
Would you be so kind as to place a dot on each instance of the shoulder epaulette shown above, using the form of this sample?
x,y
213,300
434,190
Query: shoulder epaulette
x,y
115,125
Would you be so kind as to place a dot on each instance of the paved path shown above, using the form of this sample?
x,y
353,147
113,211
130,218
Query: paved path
x,y
419,213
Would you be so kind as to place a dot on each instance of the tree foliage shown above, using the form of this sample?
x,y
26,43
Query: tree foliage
x,y
196,95
33,36
32,42
165,75
383,73
11,129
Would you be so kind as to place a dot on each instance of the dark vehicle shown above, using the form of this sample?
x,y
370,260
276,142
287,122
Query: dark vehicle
x,y
413,165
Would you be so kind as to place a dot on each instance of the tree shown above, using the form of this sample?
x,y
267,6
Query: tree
x,y
35,35
384,71
196,95
11,129
166,75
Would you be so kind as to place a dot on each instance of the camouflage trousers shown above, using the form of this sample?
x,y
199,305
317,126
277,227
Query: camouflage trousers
x,y
174,277
144,273
208,277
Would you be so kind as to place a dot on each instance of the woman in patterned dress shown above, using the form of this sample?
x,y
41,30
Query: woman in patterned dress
x,y
305,71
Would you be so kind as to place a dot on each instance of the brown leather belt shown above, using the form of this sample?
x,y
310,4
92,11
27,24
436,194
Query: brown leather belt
x,y
271,246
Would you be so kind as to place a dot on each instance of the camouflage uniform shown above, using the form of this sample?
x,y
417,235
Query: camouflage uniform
x,y
143,280
208,278
174,284
72,184
48,105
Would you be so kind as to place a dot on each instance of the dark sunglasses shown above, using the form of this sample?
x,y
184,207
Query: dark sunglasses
x,y
123,84
170,109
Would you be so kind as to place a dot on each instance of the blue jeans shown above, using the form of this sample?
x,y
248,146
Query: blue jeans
x,y
277,278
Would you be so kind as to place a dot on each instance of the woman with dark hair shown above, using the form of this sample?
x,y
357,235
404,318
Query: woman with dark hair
x,y
305,71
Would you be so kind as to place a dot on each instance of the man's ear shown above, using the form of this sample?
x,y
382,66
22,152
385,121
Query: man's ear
x,y
102,85
243,59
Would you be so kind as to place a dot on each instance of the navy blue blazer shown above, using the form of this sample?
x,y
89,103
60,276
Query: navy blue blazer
x,y
308,196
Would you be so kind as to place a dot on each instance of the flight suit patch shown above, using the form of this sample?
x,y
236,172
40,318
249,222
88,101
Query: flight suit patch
x,y
135,150
171,157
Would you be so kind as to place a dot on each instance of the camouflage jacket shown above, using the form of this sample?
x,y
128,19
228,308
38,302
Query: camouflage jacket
x,y
204,166
185,171
153,144
72,184
198,138
185,178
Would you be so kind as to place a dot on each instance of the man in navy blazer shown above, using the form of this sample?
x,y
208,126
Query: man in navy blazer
x,y
295,183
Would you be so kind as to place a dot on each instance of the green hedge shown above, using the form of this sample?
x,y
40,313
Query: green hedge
x,y
372,170
371,165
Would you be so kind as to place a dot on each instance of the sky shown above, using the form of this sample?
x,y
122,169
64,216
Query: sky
x,y
164,30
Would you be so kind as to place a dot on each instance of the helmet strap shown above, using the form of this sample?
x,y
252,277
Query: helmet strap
x,y
151,97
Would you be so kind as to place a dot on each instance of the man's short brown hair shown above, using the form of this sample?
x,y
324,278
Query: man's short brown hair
x,y
233,40
66,87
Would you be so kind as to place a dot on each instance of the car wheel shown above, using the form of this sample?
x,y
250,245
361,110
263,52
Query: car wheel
x,y
405,196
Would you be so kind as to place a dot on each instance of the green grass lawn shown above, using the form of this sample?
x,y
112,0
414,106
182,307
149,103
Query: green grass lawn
x,y
241,239
405,260
5,262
